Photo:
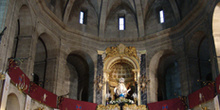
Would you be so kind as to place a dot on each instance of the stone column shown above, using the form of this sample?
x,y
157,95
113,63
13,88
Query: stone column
x,y
23,51
143,73
99,73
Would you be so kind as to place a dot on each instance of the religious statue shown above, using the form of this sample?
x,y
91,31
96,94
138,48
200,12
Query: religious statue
x,y
121,89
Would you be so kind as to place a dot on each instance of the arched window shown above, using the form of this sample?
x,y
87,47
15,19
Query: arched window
x,y
121,23
83,17
161,14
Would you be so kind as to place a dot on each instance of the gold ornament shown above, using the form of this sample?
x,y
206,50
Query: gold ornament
x,y
101,107
142,107
2,76
121,50
113,107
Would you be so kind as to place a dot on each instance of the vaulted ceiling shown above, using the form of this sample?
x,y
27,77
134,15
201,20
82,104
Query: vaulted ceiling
x,y
101,13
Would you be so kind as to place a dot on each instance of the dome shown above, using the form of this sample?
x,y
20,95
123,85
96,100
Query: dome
x,y
121,70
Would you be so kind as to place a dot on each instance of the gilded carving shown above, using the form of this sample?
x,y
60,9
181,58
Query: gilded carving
x,y
134,107
113,107
130,107
111,51
101,107
125,107
131,51
142,107
121,50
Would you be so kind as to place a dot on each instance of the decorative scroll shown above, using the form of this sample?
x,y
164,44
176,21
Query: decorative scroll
x,y
121,50
99,79
143,74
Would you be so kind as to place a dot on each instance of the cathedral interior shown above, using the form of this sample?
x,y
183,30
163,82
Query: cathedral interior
x,y
79,49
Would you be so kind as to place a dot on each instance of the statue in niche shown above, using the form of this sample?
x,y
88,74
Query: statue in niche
x,y
121,90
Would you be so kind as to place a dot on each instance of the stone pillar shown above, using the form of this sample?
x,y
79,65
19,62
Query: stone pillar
x,y
99,73
184,76
143,73
23,51
49,83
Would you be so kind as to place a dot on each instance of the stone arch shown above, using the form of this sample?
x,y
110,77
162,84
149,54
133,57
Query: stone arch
x,y
133,62
216,30
12,102
168,76
46,61
25,21
81,69
117,10
153,69
198,53
23,36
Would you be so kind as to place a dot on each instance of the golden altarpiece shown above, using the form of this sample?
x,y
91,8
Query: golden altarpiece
x,y
119,62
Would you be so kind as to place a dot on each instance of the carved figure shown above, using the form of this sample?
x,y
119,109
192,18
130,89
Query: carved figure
x,y
121,89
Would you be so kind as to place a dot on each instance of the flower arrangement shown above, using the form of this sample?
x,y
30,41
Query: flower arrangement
x,y
121,100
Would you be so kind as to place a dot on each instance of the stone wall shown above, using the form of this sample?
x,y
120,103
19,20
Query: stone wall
x,y
64,36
